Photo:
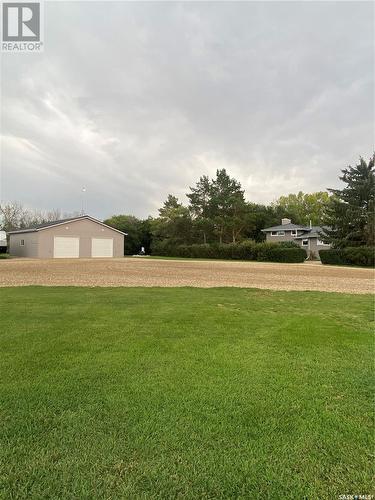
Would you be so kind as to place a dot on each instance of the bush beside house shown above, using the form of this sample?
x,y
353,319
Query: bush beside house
x,y
350,256
278,253
246,250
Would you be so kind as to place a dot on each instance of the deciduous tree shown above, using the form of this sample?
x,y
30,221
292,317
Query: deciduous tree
x,y
133,228
302,208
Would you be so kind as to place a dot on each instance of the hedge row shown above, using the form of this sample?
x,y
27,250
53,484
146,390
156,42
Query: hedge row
x,y
247,250
353,256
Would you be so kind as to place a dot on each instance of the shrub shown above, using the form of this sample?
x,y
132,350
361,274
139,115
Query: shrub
x,y
162,248
274,252
288,244
350,256
206,251
225,251
291,255
332,256
199,250
246,250
181,251
4,256
360,256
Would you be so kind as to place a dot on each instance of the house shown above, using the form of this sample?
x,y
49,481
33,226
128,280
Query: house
x,y
81,236
308,237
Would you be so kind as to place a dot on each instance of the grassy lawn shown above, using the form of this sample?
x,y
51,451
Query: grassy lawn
x,y
184,393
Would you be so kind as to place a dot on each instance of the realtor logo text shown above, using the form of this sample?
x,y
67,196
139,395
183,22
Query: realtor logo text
x,y
21,27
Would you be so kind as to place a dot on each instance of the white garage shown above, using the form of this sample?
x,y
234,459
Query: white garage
x,y
101,247
65,247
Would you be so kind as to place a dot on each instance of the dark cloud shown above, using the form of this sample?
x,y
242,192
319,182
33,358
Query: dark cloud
x,y
136,100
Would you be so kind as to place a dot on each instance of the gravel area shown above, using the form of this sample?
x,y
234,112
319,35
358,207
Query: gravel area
x,y
154,272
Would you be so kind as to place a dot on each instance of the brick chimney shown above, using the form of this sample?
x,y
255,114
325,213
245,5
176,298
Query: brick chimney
x,y
285,221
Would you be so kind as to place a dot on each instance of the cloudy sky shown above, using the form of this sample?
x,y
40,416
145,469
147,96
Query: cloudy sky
x,y
137,100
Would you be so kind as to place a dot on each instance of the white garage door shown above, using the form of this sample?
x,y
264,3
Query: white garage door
x,y
65,247
102,247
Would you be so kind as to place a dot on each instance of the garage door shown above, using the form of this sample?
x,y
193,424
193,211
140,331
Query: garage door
x,y
102,247
65,247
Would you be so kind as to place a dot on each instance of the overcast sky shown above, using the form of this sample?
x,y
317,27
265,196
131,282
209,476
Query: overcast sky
x,y
138,100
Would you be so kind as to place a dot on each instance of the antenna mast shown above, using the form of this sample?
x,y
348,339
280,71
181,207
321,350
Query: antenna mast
x,y
83,201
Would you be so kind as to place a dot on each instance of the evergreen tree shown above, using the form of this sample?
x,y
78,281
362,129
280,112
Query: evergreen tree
x,y
218,207
174,222
227,206
350,214
200,205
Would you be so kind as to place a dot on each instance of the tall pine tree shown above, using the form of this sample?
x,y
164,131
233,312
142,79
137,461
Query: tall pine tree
x,y
350,213
227,206
199,198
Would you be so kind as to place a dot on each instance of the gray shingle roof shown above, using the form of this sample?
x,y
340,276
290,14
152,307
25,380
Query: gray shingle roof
x,y
286,227
34,228
314,232
61,221
45,225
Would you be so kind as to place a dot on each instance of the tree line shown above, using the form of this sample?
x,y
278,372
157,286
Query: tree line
x,y
13,216
217,212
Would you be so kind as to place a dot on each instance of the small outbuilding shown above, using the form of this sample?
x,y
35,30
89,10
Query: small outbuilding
x,y
77,237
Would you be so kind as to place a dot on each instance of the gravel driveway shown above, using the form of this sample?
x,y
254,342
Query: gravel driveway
x,y
153,272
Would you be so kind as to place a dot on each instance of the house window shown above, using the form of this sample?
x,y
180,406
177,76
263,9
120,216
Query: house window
x,y
277,233
22,243
320,242
305,243
293,232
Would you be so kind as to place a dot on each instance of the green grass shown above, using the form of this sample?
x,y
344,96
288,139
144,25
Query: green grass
x,y
184,393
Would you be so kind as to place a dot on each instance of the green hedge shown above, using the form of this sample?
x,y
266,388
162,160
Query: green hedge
x,y
4,256
351,256
273,252
246,250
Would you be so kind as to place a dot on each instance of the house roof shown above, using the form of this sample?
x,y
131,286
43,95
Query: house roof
x,y
46,225
314,232
286,227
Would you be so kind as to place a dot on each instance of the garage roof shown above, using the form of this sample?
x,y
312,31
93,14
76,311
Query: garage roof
x,y
47,225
